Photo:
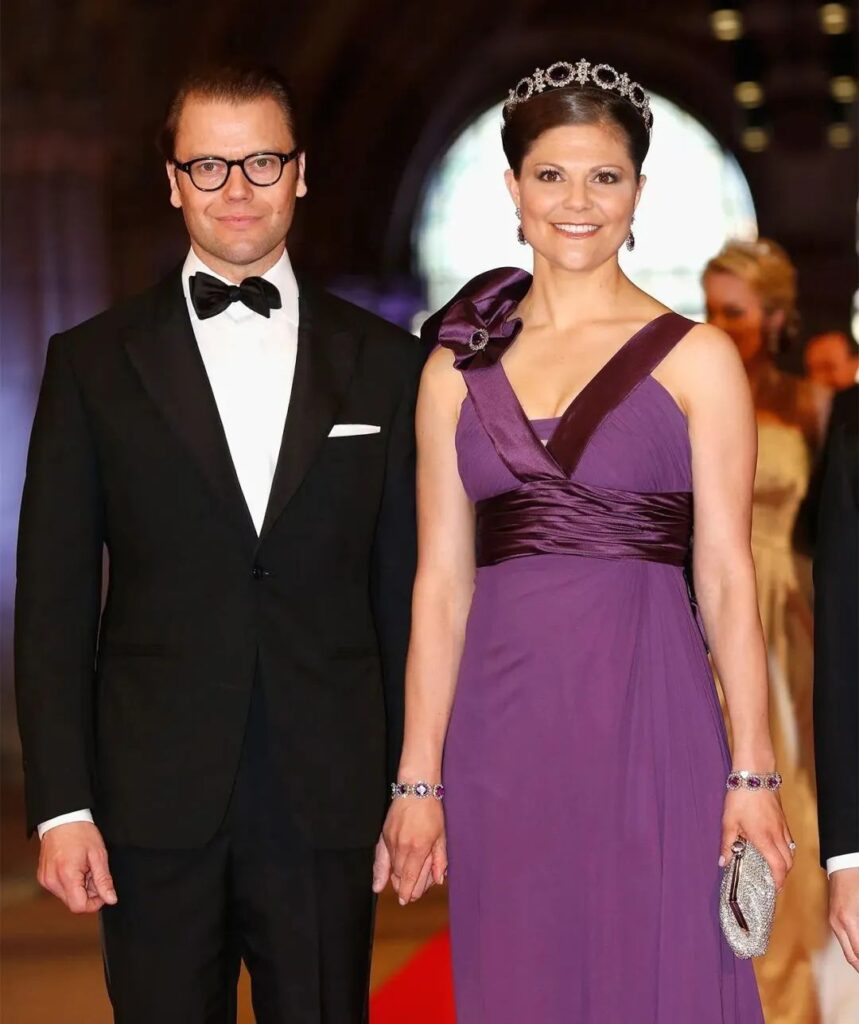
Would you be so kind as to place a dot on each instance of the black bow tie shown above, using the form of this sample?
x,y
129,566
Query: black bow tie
x,y
211,296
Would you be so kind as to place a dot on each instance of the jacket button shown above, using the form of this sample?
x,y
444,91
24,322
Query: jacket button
x,y
258,572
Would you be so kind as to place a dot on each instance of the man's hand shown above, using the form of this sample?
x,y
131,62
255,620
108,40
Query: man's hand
x,y
381,866
73,866
844,912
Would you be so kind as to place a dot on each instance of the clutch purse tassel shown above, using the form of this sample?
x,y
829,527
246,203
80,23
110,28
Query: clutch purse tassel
x,y
747,901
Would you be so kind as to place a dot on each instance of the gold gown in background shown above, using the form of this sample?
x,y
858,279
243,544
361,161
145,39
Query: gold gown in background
x,y
803,978
786,974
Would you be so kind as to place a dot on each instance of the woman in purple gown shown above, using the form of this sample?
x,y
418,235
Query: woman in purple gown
x,y
570,428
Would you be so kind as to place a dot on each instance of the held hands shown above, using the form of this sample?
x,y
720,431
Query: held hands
x,y
844,912
758,817
73,867
412,850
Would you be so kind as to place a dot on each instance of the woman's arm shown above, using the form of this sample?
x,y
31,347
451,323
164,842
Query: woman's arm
x,y
723,435
414,831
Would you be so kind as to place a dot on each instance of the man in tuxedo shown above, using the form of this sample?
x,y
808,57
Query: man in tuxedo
x,y
206,758
831,360
836,670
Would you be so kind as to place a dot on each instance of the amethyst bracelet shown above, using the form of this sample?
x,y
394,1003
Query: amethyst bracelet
x,y
753,780
421,790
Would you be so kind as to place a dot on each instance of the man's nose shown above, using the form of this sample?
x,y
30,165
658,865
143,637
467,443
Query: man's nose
x,y
237,187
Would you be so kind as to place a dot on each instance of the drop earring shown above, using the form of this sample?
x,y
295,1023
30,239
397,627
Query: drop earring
x,y
630,239
520,234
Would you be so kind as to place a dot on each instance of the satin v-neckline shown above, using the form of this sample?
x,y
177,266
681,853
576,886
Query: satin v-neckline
x,y
477,326
575,401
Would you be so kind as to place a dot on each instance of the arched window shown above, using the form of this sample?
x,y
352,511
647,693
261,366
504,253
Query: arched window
x,y
696,197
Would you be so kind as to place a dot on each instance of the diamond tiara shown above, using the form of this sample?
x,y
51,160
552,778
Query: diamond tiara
x,y
562,73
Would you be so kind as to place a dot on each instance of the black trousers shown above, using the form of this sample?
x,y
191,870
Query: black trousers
x,y
300,918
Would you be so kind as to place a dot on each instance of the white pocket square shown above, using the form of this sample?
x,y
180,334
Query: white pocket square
x,y
353,429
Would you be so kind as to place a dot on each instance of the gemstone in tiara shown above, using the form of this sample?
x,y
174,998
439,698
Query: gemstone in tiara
x,y
562,73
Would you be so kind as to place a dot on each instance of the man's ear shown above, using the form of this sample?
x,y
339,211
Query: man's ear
x,y
175,194
301,181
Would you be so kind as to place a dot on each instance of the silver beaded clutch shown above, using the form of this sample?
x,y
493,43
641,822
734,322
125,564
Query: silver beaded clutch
x,y
747,901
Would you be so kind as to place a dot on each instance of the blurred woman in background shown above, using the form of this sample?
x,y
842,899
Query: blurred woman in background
x,y
751,295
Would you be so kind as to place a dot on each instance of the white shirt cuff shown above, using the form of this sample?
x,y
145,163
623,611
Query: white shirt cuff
x,y
845,860
63,819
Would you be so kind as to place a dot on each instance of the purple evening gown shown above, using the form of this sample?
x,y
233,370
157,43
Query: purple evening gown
x,y
586,755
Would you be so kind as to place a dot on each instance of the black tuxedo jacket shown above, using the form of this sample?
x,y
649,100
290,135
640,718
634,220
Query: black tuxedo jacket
x,y
139,711
836,639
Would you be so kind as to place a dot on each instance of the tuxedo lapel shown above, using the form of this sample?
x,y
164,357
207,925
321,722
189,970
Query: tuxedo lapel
x,y
327,353
165,355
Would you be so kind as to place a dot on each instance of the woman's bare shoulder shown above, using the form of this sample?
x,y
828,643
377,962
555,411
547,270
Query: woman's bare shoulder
x,y
440,364
704,368
704,349
442,384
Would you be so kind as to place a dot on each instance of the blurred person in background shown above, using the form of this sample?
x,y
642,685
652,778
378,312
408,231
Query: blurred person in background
x,y
832,360
751,294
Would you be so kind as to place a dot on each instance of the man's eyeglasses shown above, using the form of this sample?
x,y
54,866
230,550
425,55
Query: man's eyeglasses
x,y
209,173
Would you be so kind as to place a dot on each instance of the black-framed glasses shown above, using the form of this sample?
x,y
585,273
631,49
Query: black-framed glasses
x,y
209,173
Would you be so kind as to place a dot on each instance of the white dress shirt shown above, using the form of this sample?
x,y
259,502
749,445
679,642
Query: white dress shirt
x,y
250,363
839,863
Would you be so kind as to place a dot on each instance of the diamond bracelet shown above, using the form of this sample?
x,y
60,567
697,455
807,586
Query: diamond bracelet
x,y
421,790
753,780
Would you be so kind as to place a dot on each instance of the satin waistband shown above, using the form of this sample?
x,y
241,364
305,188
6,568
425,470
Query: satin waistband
x,y
563,517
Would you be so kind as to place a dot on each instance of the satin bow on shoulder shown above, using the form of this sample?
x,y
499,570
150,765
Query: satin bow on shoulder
x,y
474,324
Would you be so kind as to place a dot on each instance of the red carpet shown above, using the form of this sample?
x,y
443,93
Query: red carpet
x,y
420,993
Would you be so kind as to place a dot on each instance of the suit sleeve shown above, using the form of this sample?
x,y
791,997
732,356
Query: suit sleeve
x,y
836,655
58,598
395,557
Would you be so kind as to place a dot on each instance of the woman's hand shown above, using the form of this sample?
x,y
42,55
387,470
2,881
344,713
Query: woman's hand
x,y
414,838
757,816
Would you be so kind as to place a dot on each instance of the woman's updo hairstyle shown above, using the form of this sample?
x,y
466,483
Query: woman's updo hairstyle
x,y
767,268
525,122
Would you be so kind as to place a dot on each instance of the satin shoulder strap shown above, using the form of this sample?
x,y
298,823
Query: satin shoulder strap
x,y
612,385
502,417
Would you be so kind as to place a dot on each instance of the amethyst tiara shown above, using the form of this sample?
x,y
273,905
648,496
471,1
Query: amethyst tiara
x,y
562,73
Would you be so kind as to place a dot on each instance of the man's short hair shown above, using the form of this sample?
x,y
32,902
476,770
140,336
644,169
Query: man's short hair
x,y
850,342
235,83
